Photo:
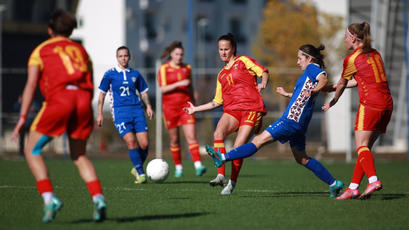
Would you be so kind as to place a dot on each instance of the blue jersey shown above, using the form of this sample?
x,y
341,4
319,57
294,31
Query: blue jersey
x,y
299,110
123,88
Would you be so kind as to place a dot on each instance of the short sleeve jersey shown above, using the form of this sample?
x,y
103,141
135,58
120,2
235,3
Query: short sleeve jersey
x,y
237,86
368,71
124,86
299,110
169,74
62,62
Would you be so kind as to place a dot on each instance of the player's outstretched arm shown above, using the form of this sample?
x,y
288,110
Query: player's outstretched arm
x,y
281,91
341,85
100,116
208,106
322,83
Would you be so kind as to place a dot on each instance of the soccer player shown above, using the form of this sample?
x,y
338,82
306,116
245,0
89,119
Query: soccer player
x,y
122,83
62,69
237,90
174,79
364,68
293,124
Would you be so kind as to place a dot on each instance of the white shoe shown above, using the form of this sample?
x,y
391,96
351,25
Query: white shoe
x,y
229,188
219,180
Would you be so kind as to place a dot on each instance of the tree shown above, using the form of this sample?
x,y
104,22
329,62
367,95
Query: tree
x,y
287,25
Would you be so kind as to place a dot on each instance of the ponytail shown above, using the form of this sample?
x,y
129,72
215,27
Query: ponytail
x,y
362,31
309,50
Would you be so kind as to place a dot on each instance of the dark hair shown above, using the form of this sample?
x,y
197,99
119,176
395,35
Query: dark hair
x,y
362,31
170,48
62,23
315,53
231,38
123,48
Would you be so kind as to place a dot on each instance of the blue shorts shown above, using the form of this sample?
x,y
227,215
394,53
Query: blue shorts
x,y
134,121
284,131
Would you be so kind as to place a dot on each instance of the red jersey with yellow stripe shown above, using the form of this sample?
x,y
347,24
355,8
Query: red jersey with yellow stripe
x,y
169,74
67,65
368,71
237,86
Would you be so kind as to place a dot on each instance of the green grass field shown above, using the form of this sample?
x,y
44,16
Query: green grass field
x,y
269,195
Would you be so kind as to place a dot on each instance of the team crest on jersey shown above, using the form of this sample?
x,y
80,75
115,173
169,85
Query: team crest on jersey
x,y
235,65
133,79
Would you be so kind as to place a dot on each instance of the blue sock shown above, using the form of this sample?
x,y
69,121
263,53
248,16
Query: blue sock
x,y
136,160
320,171
242,151
144,154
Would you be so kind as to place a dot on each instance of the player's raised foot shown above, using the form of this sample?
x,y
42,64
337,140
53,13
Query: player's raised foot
x,y
348,194
200,170
215,155
178,173
219,180
100,206
336,188
134,173
141,179
370,188
51,210
229,188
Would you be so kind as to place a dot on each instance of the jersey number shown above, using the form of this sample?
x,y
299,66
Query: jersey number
x,y
125,91
72,58
377,68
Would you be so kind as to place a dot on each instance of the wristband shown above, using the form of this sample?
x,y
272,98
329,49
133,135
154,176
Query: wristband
x,y
23,116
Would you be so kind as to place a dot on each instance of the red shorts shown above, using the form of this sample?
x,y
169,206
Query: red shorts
x,y
175,116
250,118
371,119
67,110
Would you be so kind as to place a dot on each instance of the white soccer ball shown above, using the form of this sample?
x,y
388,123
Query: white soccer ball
x,y
157,170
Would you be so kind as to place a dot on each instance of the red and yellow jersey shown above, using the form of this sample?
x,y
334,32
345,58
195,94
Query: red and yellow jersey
x,y
63,63
169,74
237,86
368,71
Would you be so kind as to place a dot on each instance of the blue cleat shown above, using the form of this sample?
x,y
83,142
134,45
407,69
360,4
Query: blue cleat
x,y
335,189
200,170
51,210
216,156
100,206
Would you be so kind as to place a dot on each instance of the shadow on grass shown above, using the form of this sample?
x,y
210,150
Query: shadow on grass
x,y
393,196
186,182
147,217
390,196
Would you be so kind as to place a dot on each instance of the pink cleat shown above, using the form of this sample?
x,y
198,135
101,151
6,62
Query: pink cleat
x,y
348,194
372,187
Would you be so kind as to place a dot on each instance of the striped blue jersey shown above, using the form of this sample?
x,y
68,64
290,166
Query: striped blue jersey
x,y
299,110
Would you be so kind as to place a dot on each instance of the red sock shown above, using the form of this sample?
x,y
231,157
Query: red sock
x,y
175,150
44,186
219,146
194,152
235,169
94,187
366,161
358,173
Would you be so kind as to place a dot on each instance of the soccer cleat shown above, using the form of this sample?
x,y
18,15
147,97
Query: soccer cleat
x,y
219,180
215,155
99,209
134,173
51,210
200,170
370,188
141,179
348,194
335,189
178,173
229,188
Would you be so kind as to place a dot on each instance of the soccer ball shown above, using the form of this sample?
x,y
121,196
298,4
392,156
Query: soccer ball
x,y
157,170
